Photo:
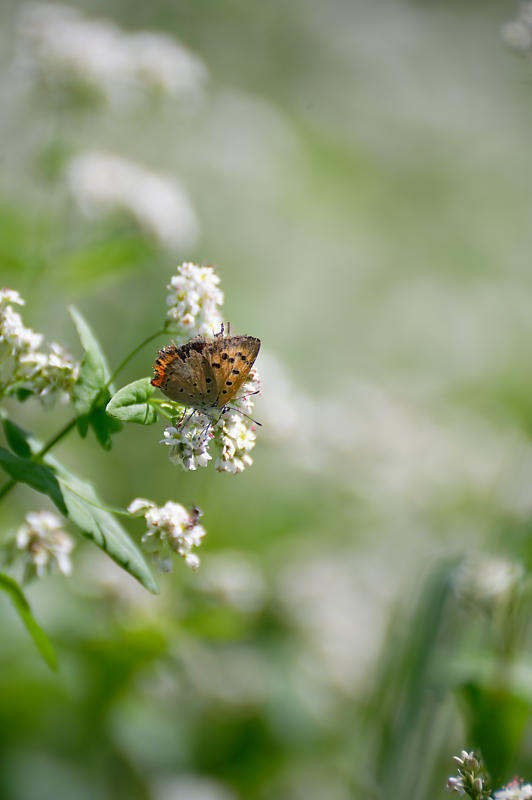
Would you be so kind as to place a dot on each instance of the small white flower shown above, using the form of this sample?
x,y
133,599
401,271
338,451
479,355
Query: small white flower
x,y
45,543
139,506
194,302
456,785
39,373
13,332
10,296
100,182
235,438
514,791
171,528
189,442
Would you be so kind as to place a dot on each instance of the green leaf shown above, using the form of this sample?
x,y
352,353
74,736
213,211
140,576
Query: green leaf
x,y
103,425
130,403
91,393
84,508
38,476
94,372
11,587
16,438
495,718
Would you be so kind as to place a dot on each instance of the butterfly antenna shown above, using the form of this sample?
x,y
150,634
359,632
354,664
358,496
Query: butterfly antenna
x,y
238,411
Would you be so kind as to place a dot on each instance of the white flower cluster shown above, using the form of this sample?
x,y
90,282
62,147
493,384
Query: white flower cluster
x,y
60,47
514,791
101,182
471,779
45,543
24,366
231,436
189,442
194,302
517,33
171,528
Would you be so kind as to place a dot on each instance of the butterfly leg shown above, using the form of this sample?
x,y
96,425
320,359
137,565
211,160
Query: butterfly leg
x,y
182,422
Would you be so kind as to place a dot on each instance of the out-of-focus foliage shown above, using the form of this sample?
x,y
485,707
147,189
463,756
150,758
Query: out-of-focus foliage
x,y
360,174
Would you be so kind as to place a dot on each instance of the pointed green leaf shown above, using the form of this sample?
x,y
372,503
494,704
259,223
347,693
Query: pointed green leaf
x,y
38,476
11,587
84,508
103,425
16,438
94,372
130,403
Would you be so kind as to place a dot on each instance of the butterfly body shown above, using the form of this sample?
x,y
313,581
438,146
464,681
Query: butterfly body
x,y
205,375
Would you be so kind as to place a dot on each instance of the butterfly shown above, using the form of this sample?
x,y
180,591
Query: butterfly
x,y
205,375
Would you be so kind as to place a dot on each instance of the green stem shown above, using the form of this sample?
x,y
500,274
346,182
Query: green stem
x,y
133,353
53,441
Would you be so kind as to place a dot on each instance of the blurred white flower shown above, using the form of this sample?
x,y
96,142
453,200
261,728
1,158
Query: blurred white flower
x,y
45,543
8,296
162,62
171,529
194,302
346,621
517,33
100,182
394,444
517,36
234,579
43,374
514,791
58,46
236,674
486,579
191,787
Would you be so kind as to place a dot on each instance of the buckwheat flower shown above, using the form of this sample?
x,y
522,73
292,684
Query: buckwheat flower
x,y
16,336
514,791
171,529
47,375
101,182
194,302
189,442
45,544
472,778
235,438
8,296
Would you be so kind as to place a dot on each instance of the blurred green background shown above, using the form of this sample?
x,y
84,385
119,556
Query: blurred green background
x,y
360,175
